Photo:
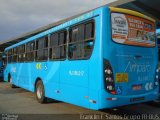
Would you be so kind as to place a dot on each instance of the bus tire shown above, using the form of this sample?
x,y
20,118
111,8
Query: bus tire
x,y
10,81
40,92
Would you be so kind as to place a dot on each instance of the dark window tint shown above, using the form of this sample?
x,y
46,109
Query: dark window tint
x,y
62,38
54,40
77,33
27,47
9,56
42,54
58,45
62,52
30,46
30,56
21,57
21,49
14,55
21,53
1,56
88,47
76,51
55,53
10,52
14,58
14,51
89,30
80,51
42,42
9,59
81,41
42,49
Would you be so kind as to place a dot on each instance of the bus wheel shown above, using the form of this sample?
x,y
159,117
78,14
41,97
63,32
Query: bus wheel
x,y
10,81
40,94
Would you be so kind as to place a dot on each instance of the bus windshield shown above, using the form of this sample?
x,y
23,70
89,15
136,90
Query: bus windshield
x,y
132,30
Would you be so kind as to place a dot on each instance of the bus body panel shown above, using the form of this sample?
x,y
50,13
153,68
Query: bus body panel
x,y
52,79
95,66
74,82
123,60
81,82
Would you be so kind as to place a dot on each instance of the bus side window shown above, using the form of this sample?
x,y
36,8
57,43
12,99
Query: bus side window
x,y
54,48
77,33
89,36
81,41
58,45
89,31
21,53
14,56
9,56
62,44
30,47
42,49
4,58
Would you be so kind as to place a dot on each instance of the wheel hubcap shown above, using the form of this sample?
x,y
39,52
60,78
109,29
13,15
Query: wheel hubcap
x,y
10,80
39,92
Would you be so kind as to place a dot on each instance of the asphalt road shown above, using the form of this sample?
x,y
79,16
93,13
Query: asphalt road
x,y
20,104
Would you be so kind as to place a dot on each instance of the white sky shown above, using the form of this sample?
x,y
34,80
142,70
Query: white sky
x,y
21,16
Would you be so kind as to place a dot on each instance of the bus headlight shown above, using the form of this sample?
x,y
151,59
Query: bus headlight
x,y
109,78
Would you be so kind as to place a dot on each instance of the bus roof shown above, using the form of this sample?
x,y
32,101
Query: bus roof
x,y
126,11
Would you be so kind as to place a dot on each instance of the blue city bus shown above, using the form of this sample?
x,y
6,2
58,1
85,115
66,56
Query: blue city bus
x,y
101,59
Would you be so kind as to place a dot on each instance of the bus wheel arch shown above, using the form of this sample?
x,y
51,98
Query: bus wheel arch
x,y
9,77
40,91
10,81
37,79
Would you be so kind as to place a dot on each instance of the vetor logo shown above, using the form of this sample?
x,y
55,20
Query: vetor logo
x,y
120,22
148,86
39,66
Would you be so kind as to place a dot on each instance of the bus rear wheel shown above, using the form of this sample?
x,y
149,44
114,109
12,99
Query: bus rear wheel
x,y
10,81
40,93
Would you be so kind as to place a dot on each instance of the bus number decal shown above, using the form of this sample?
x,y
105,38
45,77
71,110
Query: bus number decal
x,y
76,73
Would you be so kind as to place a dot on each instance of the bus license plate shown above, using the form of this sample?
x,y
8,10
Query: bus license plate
x,y
121,77
137,99
137,87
